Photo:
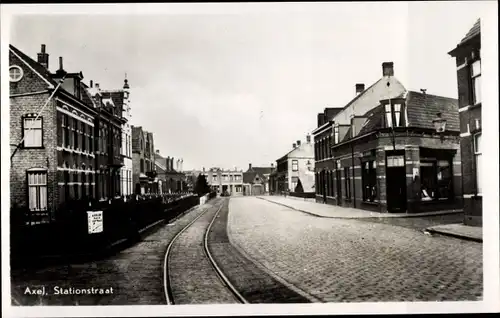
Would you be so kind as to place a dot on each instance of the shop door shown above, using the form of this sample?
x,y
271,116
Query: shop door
x,y
338,179
396,184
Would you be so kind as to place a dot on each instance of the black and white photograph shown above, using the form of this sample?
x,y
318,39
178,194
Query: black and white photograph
x,y
250,158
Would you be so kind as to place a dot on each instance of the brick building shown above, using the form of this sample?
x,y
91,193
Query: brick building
x,y
297,164
121,100
169,179
390,157
55,138
468,62
144,172
256,180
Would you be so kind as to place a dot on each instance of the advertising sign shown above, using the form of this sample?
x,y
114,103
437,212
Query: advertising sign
x,y
95,221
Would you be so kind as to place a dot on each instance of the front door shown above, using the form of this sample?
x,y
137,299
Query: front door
x,y
338,179
396,184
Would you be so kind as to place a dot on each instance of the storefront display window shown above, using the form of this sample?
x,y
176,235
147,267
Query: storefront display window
x,y
436,179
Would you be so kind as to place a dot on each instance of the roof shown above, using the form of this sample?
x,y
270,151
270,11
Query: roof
x,y
249,176
116,96
421,110
39,68
261,170
474,31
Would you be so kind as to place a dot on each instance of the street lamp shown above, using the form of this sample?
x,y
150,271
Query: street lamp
x,y
440,125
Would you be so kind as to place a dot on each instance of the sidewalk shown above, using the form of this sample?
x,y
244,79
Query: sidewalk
x,y
472,233
332,211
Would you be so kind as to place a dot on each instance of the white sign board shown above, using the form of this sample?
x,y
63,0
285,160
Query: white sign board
x,y
95,221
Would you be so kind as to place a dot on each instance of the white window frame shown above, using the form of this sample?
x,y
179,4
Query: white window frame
x,y
397,114
336,134
27,132
37,181
21,73
478,163
475,74
295,165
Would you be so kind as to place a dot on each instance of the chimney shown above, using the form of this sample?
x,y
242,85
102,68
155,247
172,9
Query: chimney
x,y
172,163
43,58
321,119
388,69
91,83
294,145
298,143
203,169
360,88
308,138
272,165
249,166
61,68
97,86
157,151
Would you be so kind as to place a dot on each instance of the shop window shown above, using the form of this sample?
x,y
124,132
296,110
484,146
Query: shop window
x,y
295,165
478,161
369,181
347,181
436,180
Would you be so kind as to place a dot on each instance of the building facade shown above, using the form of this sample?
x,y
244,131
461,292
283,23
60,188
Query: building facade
x,y
391,158
468,62
144,175
256,180
297,165
60,135
169,179
121,100
222,181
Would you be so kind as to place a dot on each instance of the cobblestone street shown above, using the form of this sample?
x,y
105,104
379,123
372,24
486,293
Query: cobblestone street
x,y
135,274
342,260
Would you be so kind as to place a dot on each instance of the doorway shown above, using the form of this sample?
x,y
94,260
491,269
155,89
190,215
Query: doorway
x,y
396,183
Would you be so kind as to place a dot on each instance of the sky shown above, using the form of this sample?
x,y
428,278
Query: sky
x,y
230,86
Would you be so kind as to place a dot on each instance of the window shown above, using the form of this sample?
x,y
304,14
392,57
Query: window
x,y
395,161
84,138
478,161
347,180
214,177
336,134
75,185
142,165
295,165
369,181
91,181
75,134
476,82
393,115
295,181
15,73
32,132
436,178
37,190
84,180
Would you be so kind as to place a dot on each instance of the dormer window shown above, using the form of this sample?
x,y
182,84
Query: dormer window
x,y
393,116
336,134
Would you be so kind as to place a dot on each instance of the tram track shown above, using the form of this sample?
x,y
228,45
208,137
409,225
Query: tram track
x,y
191,274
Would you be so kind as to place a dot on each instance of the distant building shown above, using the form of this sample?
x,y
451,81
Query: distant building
x,y
382,151
144,175
225,180
169,179
468,60
297,164
256,180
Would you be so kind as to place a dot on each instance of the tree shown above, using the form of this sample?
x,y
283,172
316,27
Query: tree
x,y
299,188
202,186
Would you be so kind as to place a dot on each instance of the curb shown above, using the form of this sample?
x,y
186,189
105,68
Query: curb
x,y
455,235
409,215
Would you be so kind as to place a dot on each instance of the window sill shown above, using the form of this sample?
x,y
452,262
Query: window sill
x,y
37,147
435,201
375,203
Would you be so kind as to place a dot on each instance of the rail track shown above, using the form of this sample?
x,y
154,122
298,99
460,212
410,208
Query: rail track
x,y
199,260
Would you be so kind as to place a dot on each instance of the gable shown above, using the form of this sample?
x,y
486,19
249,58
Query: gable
x,y
31,81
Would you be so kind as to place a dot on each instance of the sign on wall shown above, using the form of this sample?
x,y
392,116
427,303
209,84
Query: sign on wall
x,y
95,221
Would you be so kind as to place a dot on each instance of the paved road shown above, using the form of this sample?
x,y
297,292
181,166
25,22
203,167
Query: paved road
x,y
419,223
339,260
135,274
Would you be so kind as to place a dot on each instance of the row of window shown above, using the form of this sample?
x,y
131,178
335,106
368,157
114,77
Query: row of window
x,y
322,149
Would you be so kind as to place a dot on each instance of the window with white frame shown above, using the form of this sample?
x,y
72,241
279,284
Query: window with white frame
x,y
295,165
15,73
388,115
336,134
393,115
476,82
478,161
32,132
37,190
